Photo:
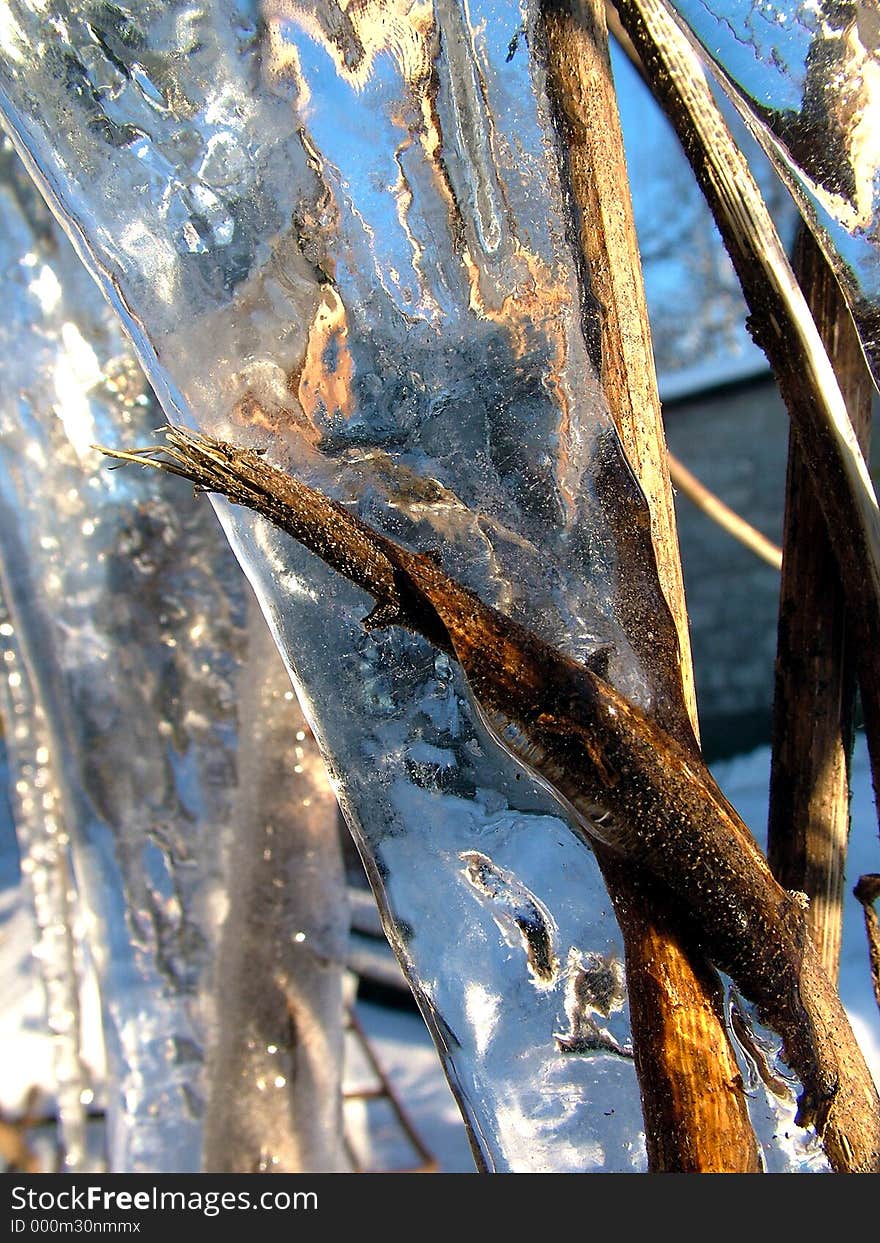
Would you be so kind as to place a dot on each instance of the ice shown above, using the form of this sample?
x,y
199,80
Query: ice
x,y
403,329
806,75
146,783
338,234
275,1063
45,864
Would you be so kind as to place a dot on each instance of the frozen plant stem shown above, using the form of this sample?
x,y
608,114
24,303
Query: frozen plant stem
x,y
275,1063
694,1109
808,824
623,780
781,323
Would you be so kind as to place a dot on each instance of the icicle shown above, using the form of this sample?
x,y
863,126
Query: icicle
x,y
806,78
129,625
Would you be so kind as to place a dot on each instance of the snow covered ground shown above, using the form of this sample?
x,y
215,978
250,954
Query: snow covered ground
x,y
399,1038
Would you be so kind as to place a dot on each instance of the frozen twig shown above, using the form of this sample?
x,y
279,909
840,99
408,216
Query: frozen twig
x,y
624,781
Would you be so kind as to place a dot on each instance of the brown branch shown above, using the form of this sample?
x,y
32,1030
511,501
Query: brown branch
x,y
713,507
624,781
427,1161
782,325
808,824
868,891
581,87
695,1112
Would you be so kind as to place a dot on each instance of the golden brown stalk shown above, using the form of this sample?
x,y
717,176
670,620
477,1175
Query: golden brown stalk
x,y
624,781
732,522
808,822
867,891
782,326
695,1112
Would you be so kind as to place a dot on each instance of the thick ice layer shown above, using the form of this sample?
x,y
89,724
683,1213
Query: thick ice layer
x,y
806,74
45,862
338,234
122,650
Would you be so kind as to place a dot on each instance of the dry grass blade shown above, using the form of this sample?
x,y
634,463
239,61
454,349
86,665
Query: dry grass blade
x,y
814,696
727,518
781,323
624,781
695,1114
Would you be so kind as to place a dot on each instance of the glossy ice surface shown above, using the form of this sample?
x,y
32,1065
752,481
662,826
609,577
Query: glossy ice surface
x,y
123,643
338,233
807,74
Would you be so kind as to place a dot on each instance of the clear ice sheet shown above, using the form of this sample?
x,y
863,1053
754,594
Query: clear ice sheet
x,y
338,234
123,649
806,75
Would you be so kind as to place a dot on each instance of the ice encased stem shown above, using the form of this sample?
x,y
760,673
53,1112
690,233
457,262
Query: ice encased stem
x,y
806,79
274,1062
127,632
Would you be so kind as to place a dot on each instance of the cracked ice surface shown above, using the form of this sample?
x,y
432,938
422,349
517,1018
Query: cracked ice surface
x,y
806,73
120,659
338,234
